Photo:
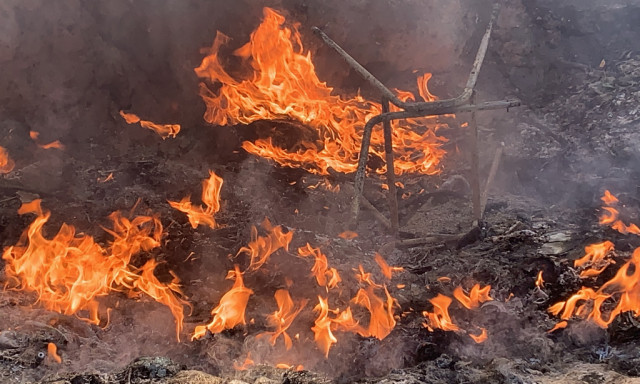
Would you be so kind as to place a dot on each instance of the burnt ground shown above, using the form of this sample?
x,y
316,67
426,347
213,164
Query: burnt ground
x,y
576,67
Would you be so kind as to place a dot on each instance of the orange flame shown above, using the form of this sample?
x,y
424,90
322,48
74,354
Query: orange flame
x,y
297,368
594,260
284,84
348,235
381,322
260,248
476,296
345,322
281,319
610,216
325,276
365,277
322,329
210,197
608,198
440,318
248,362
539,281
164,130
108,178
52,353
481,338
54,144
385,268
230,311
69,272
6,164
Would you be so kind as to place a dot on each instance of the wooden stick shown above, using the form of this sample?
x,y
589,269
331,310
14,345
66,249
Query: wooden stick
x,y
475,166
490,178
392,194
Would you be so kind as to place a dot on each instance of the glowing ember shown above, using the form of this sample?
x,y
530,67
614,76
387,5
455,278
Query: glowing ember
x,y
164,130
594,262
210,197
481,338
325,276
322,329
69,272
260,248
440,318
230,311
6,164
476,296
348,235
381,322
52,353
539,281
385,268
284,85
108,178
283,317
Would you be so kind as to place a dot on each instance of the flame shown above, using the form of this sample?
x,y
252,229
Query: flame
x,y
348,235
108,178
559,325
6,164
539,281
385,268
297,368
381,322
52,353
476,296
440,318
283,317
481,338
322,329
594,262
230,311
283,84
164,130
260,248
325,276
71,271
610,216
345,322
248,362
54,144
210,197
365,277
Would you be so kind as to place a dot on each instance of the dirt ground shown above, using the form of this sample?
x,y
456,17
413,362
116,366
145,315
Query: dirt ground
x,y
575,136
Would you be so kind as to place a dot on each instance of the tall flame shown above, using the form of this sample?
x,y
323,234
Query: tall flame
x,y
261,247
381,322
610,216
325,276
210,197
384,267
284,84
230,311
440,318
71,271
164,130
282,318
594,261
6,164
322,328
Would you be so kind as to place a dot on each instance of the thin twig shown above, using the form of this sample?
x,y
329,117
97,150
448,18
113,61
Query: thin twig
x,y
475,164
392,195
490,178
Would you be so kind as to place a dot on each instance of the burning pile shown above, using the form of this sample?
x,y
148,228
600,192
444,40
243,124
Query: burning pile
x,y
282,84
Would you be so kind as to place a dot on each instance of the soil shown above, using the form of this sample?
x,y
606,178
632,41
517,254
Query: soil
x,y
575,136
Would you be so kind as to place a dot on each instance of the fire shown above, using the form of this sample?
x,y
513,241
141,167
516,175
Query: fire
x,y
230,311
6,164
322,329
348,235
283,84
52,353
440,318
71,271
610,216
54,144
282,318
476,296
164,130
325,276
385,268
108,178
381,322
481,338
365,277
297,368
539,281
345,322
594,261
248,362
210,197
261,247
